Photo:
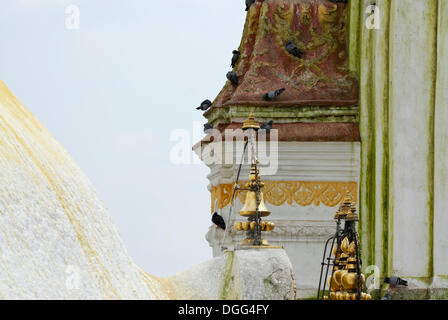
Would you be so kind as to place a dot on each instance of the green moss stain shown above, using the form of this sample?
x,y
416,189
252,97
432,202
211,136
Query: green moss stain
x,y
354,35
311,114
431,158
439,294
372,195
377,129
368,150
385,214
385,191
270,284
228,281
390,218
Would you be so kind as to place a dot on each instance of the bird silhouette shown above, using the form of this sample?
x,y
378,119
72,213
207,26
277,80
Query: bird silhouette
x,y
292,48
207,127
267,126
235,57
232,77
219,221
395,281
204,105
249,3
273,94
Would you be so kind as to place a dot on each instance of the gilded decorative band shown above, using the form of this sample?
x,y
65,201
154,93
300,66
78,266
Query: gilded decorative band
x,y
277,193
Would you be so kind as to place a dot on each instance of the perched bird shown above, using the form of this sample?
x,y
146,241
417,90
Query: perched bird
x,y
249,3
207,127
395,281
235,57
273,94
204,105
219,221
293,49
232,77
267,126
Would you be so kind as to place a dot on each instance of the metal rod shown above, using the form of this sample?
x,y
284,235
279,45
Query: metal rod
x,y
358,266
328,265
235,189
322,267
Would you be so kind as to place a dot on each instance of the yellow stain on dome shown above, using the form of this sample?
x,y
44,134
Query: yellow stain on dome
x,y
26,125
29,151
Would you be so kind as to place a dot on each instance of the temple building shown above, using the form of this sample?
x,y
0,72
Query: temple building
x,y
361,114
358,94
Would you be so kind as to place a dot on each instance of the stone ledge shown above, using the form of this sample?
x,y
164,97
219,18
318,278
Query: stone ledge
x,y
419,289
249,274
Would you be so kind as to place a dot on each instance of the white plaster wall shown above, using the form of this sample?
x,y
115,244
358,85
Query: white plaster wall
x,y
297,161
412,60
441,149
301,230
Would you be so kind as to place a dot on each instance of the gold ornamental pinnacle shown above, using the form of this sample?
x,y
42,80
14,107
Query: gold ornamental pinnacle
x,y
251,123
345,282
254,207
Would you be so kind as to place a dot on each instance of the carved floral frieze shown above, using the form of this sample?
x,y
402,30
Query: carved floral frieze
x,y
278,193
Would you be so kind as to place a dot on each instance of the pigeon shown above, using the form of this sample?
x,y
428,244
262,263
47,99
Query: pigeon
x,y
232,77
219,221
293,49
395,281
267,126
249,3
204,105
273,94
207,127
236,56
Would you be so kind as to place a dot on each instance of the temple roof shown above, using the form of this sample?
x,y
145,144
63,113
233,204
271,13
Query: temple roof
x,y
319,78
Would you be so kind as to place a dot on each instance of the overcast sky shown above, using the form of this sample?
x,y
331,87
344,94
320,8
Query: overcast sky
x,y
113,91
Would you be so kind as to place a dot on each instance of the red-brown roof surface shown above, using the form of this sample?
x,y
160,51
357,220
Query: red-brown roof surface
x,y
320,77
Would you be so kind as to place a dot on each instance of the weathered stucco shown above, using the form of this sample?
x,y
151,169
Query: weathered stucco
x,y
403,190
246,274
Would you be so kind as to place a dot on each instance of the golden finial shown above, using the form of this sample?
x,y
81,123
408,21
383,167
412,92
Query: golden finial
x,y
251,123
348,199
347,209
352,215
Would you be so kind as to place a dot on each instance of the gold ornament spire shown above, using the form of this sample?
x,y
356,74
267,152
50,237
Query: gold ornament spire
x,y
346,281
251,123
254,207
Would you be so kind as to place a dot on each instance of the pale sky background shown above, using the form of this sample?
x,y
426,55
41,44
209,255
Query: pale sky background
x,y
113,91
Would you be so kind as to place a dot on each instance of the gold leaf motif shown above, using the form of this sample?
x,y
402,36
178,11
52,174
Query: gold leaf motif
x,y
277,193
326,15
305,16
327,41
